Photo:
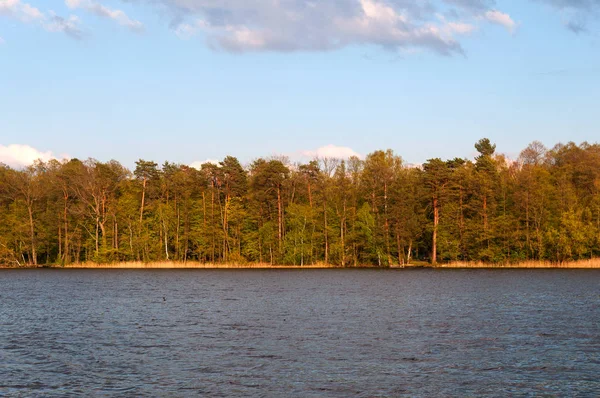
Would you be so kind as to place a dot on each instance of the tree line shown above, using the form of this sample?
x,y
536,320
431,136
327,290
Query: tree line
x,y
543,206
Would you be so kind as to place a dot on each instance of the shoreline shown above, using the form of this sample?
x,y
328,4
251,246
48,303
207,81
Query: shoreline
x,y
181,265
582,264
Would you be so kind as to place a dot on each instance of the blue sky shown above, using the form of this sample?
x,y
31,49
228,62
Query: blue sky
x,y
190,80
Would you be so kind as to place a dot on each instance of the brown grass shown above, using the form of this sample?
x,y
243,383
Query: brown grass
x,y
192,265
581,264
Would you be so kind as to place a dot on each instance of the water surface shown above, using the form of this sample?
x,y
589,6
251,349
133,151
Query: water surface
x,y
279,333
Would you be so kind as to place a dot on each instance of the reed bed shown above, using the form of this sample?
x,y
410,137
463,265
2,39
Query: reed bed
x,y
192,265
580,264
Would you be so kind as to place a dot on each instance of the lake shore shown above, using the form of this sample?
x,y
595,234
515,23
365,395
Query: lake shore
x,y
182,265
582,264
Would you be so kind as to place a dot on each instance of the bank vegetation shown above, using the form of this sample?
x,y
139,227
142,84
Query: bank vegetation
x,y
542,209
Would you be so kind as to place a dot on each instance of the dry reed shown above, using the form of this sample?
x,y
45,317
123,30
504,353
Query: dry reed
x,y
192,265
580,264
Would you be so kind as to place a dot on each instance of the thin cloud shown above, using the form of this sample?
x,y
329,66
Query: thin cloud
x,y
9,7
331,152
198,164
575,13
485,10
69,26
585,5
23,12
31,13
17,155
98,9
500,18
476,6
51,22
576,27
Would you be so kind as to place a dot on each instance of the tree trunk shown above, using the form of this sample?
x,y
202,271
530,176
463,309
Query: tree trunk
x,y
103,231
186,231
32,232
212,221
462,224
399,247
325,232
66,225
166,240
143,200
226,229
387,223
131,240
97,237
485,220
343,234
177,248
117,239
436,220
280,219
527,230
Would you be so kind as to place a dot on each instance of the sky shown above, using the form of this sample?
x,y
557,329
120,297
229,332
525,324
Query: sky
x,y
188,81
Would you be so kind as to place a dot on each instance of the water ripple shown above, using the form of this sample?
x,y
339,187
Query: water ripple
x,y
299,334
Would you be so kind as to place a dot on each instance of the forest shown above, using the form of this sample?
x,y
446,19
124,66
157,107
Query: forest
x,y
544,205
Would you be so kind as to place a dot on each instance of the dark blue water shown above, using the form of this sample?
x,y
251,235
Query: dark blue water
x,y
318,333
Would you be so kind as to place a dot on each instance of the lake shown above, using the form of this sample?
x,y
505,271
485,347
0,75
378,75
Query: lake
x,y
317,333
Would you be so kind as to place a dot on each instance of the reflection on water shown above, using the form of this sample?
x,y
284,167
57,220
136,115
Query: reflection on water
x,y
330,333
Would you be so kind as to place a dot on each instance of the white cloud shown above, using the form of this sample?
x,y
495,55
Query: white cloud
x,y
51,22
332,151
22,11
8,7
451,27
186,30
17,155
2,41
461,27
98,9
413,166
69,26
500,18
406,26
31,13
308,25
198,164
